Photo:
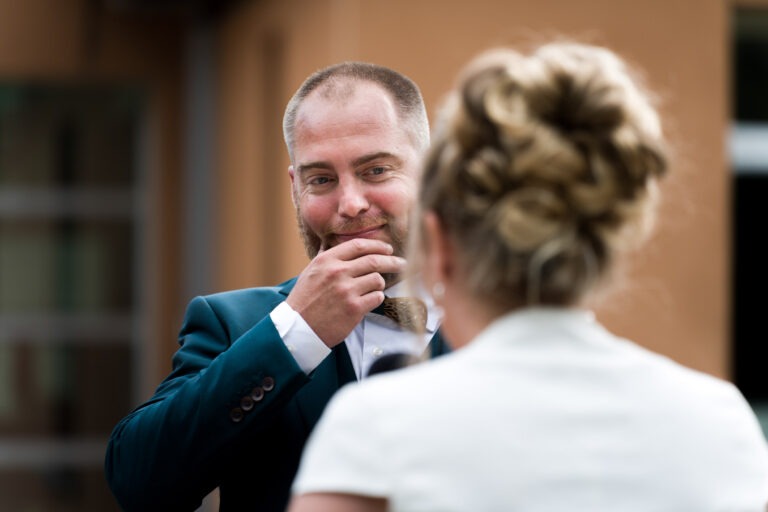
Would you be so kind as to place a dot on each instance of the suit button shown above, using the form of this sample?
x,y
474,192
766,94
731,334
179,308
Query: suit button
x,y
246,403
257,394
268,383
236,415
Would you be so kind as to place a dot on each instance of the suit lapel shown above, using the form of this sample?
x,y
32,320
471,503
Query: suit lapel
x,y
335,371
437,346
286,286
344,368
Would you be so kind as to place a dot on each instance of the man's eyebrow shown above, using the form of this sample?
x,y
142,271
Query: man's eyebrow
x,y
357,162
374,156
313,165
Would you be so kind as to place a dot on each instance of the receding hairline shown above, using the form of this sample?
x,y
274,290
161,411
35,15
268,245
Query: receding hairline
x,y
341,80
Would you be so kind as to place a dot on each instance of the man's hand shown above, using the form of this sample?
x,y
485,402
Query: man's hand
x,y
340,285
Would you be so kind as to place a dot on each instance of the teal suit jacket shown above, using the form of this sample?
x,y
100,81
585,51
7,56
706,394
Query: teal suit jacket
x,y
234,413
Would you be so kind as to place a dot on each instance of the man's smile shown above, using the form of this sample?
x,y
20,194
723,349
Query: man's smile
x,y
370,232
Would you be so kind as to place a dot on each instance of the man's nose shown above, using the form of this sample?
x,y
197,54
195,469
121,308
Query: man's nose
x,y
352,199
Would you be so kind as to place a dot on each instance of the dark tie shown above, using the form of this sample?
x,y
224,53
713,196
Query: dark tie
x,y
409,313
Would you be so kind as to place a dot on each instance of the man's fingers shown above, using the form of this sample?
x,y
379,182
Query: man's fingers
x,y
372,299
370,283
353,249
361,256
376,263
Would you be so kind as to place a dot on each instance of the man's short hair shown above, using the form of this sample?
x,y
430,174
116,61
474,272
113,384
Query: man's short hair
x,y
405,93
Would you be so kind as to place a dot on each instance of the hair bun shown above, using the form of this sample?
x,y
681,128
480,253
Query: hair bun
x,y
543,166
575,95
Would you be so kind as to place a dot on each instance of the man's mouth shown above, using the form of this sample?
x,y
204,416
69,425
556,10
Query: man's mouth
x,y
369,232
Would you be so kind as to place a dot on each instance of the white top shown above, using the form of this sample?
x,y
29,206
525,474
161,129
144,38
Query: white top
x,y
544,411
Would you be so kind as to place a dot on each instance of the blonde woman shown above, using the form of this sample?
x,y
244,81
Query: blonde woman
x,y
542,173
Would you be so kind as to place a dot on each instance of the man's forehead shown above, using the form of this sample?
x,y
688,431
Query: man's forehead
x,y
321,121
339,129
337,89
328,98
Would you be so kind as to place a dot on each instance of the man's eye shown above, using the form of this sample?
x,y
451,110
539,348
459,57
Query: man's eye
x,y
318,180
377,171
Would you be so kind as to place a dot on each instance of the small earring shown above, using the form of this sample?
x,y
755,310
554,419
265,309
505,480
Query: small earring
x,y
438,291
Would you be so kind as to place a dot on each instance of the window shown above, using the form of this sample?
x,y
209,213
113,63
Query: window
x,y
749,157
68,231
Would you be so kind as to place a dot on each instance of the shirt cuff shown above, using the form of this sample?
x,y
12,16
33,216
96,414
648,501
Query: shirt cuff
x,y
306,347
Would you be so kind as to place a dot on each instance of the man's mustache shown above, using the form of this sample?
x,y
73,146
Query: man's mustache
x,y
356,225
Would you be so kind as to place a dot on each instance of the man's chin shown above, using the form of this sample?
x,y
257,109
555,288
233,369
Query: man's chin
x,y
314,244
333,241
391,279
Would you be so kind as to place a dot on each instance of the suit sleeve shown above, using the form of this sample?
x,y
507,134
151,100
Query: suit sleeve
x,y
167,454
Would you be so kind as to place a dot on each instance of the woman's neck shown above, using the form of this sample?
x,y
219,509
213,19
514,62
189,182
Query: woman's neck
x,y
465,317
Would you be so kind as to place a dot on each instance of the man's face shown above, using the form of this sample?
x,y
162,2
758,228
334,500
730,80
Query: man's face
x,y
354,170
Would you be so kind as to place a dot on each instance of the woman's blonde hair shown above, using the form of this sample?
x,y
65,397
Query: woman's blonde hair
x,y
542,168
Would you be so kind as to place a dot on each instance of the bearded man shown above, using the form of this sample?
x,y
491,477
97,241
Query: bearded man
x,y
256,367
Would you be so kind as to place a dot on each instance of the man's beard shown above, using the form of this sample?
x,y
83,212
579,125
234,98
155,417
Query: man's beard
x,y
313,243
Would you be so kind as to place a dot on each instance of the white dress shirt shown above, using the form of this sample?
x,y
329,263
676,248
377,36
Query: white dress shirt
x,y
375,336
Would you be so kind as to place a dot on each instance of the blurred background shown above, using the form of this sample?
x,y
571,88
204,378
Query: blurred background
x,y
142,163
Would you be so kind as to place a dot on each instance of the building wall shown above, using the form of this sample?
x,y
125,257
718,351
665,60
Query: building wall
x,y
676,299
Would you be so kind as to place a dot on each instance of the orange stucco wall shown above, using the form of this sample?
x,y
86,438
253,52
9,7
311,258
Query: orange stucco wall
x,y
677,299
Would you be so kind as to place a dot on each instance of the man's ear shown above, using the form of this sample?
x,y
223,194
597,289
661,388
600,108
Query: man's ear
x,y
439,250
292,175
